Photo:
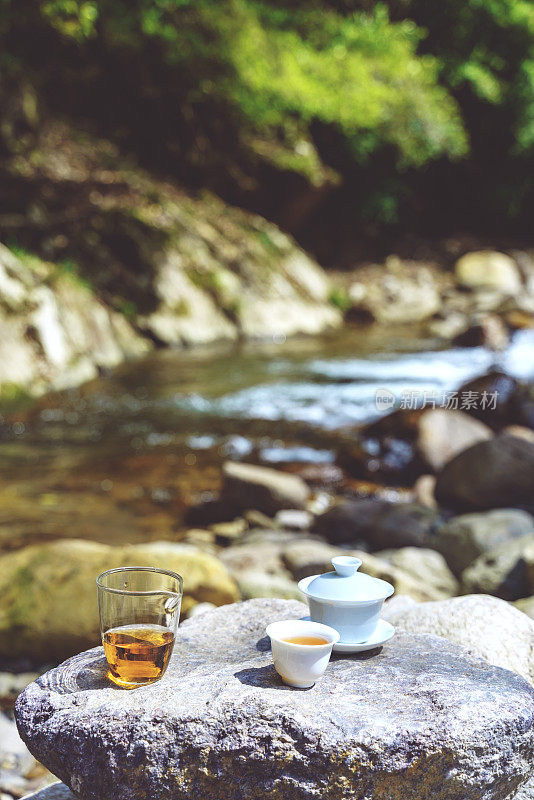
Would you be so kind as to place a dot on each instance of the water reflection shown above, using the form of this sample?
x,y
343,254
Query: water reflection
x,y
122,457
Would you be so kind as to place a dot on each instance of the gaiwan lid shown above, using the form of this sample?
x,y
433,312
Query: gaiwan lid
x,y
346,584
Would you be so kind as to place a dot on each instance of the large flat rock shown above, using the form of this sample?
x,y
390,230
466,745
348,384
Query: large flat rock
x,y
420,719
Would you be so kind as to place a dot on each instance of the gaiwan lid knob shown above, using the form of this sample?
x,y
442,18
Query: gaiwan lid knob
x,y
346,584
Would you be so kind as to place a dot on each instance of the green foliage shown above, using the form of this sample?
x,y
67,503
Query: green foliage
x,y
485,49
361,95
13,397
486,46
358,73
73,18
71,271
339,297
126,308
277,70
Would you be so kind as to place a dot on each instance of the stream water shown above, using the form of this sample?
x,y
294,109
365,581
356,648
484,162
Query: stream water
x,y
121,458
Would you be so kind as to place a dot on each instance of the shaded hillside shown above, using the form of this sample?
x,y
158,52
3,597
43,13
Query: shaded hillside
x,y
103,261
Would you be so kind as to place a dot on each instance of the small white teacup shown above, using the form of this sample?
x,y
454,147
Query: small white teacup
x,y
300,664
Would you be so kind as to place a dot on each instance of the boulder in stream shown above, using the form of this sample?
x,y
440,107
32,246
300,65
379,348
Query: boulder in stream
x,y
247,486
507,571
444,433
466,537
489,269
493,474
378,523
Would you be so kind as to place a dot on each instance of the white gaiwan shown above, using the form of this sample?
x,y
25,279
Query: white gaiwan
x,y
346,599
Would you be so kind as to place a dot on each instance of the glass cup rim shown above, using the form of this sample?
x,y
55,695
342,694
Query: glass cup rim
x,y
143,592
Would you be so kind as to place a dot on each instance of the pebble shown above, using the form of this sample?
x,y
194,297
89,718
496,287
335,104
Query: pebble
x,y
294,519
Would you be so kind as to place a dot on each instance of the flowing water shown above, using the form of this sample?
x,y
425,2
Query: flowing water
x,y
121,458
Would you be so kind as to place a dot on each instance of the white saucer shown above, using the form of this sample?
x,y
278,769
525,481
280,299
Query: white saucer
x,y
383,633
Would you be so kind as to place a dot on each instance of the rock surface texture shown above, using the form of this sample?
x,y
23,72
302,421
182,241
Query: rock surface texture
x,y
58,791
507,571
419,719
489,269
484,625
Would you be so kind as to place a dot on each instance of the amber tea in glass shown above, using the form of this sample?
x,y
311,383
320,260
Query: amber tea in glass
x,y
139,612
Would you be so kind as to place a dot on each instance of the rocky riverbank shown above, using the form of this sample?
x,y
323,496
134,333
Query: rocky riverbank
x,y
221,275
435,497
102,262
474,297
450,524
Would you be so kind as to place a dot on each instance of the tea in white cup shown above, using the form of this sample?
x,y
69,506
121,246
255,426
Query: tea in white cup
x,y
301,650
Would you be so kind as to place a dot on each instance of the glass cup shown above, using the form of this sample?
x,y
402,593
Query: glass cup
x,y
139,611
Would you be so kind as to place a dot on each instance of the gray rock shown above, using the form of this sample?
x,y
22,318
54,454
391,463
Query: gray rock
x,y
396,292
397,604
497,473
309,557
229,532
294,519
527,792
486,626
378,523
260,551
443,433
505,571
419,719
257,564
488,268
268,490
404,583
520,432
256,583
428,567
56,791
268,568
54,331
185,314
423,490
447,323
468,536
215,281
485,330
504,392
